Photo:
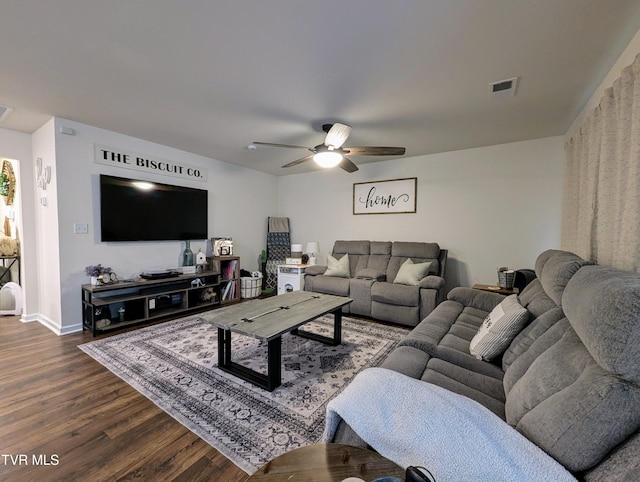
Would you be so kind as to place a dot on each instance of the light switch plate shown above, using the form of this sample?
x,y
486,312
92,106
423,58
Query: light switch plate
x,y
80,228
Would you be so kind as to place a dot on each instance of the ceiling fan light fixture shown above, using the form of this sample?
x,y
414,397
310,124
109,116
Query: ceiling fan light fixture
x,y
337,135
327,159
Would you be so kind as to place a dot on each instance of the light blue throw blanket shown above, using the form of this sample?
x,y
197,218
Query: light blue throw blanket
x,y
412,422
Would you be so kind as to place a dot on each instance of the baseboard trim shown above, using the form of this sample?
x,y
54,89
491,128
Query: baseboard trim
x,y
71,329
28,318
52,325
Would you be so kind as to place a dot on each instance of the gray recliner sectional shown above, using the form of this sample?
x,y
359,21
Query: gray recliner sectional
x,y
373,266
569,381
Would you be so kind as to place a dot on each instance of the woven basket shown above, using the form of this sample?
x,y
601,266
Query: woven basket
x,y
250,287
506,279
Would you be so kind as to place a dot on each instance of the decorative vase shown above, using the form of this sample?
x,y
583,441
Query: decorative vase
x,y
94,280
187,256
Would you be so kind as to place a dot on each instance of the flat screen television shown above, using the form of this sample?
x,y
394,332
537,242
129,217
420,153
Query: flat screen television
x,y
133,210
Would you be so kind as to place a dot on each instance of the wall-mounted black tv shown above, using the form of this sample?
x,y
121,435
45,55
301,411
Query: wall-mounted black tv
x,y
134,210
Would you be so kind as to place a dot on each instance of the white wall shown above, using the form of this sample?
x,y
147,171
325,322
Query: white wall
x,y
492,206
47,238
17,146
231,212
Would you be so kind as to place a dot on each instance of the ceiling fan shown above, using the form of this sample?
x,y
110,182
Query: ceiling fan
x,y
332,154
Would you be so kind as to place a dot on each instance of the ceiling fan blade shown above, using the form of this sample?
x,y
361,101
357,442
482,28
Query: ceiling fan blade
x,y
337,135
271,144
348,165
375,151
299,161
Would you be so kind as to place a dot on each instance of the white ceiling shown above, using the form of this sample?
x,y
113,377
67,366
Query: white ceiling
x,y
210,77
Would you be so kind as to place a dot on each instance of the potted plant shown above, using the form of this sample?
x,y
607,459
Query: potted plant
x,y
94,271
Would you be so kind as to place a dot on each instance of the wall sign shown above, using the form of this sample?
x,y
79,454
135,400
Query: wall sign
x,y
385,197
112,156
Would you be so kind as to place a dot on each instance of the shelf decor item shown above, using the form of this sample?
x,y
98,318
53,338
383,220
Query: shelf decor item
x,y
201,258
222,246
187,255
95,271
201,262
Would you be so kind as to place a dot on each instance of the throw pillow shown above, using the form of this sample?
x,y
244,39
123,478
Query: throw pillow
x,y
499,329
337,267
411,273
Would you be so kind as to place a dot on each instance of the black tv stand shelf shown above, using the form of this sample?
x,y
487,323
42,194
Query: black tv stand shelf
x,y
113,306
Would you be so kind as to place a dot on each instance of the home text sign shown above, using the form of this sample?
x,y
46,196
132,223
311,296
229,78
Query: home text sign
x,y
112,156
385,197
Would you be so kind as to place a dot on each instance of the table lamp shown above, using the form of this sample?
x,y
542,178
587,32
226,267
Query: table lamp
x,y
312,250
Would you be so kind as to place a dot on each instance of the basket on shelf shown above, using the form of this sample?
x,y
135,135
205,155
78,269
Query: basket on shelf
x,y
506,278
251,286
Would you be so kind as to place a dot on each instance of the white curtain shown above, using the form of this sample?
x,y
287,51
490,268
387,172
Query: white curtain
x,y
601,211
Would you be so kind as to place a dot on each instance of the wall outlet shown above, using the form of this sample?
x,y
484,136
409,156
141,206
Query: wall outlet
x,y
80,228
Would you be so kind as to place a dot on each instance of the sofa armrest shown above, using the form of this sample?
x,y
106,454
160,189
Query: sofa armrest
x,y
373,274
482,300
432,282
314,270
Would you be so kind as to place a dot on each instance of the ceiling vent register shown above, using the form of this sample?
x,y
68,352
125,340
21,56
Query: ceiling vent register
x,y
503,88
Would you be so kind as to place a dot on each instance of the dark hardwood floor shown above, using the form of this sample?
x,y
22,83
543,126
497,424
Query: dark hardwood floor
x,y
64,417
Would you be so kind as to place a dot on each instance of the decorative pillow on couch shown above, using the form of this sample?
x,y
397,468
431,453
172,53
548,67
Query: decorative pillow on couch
x,y
338,267
499,329
411,273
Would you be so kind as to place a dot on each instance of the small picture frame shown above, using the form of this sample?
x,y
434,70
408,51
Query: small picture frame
x,y
222,246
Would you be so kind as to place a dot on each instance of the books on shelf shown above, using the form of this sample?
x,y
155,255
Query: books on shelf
x,y
229,291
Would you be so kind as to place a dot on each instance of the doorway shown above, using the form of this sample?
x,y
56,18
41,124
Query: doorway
x,y
10,222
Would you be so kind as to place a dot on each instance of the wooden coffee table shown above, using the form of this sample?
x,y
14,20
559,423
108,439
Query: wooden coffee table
x,y
268,319
326,463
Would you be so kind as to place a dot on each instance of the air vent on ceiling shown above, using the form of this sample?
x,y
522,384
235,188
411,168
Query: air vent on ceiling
x,y
5,111
503,88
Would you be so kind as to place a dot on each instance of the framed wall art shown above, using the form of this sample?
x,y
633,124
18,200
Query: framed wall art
x,y
393,196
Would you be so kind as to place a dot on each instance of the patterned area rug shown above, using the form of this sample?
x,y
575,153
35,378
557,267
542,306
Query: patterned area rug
x,y
174,364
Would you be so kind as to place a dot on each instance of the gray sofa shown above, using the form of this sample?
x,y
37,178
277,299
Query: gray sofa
x,y
373,266
568,381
